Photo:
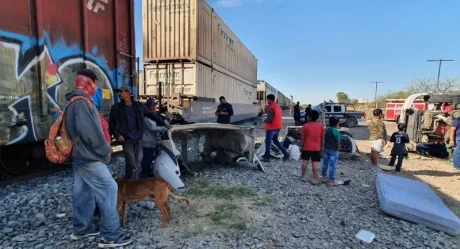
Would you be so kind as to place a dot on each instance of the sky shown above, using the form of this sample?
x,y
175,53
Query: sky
x,y
313,49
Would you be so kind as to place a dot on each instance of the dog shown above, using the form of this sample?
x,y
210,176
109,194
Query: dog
x,y
135,190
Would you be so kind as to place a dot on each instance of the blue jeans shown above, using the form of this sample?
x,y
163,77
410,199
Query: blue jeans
x,y
270,136
93,181
330,159
147,158
456,155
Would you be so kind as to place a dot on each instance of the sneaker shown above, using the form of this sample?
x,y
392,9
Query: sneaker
x,y
92,233
286,157
121,241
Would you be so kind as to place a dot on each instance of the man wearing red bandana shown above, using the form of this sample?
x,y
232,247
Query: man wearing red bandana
x,y
93,182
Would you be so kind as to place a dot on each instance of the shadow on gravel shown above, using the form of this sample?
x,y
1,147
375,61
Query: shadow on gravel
x,y
434,173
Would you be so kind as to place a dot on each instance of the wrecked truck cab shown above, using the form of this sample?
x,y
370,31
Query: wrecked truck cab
x,y
223,144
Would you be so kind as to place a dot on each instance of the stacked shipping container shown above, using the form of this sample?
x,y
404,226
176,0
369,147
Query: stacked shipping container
x,y
264,89
193,52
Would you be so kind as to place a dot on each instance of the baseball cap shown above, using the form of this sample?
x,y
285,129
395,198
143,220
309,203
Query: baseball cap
x,y
124,87
88,73
150,102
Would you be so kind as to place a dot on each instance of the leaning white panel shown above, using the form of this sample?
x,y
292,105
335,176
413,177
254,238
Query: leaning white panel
x,y
415,201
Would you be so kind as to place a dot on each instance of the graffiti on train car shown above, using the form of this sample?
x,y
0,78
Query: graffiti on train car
x,y
29,66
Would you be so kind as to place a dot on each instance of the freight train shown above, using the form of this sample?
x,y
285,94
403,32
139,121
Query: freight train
x,y
191,58
192,61
264,89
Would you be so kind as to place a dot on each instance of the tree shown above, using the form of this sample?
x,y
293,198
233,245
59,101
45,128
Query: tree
x,y
428,85
354,101
342,97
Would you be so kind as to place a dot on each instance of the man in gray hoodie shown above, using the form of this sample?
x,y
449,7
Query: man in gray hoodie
x,y
150,140
92,178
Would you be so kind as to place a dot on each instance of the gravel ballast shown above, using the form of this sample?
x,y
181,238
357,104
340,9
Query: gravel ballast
x,y
231,207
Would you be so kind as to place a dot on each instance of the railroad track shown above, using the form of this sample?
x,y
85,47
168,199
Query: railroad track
x,y
48,169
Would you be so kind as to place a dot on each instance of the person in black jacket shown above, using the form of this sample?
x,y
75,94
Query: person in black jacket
x,y
297,114
126,123
224,111
307,112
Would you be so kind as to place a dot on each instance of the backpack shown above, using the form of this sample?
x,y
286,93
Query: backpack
x,y
59,145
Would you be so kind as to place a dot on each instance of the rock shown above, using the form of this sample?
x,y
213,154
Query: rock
x,y
311,236
61,215
40,216
20,238
7,230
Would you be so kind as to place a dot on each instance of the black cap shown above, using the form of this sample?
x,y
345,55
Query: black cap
x,y
88,73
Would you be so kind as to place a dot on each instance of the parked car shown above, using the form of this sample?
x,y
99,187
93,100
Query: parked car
x,y
347,117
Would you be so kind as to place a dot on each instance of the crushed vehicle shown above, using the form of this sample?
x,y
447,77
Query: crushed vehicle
x,y
428,129
291,140
223,144
347,117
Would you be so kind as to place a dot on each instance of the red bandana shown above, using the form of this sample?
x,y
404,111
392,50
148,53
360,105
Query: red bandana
x,y
85,85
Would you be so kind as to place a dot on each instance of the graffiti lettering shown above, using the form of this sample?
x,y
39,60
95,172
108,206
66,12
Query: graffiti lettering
x,y
20,57
123,47
97,6
224,35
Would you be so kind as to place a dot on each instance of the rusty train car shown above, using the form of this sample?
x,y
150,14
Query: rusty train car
x,y
43,43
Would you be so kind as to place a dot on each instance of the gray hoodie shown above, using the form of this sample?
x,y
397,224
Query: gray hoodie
x,y
85,128
151,133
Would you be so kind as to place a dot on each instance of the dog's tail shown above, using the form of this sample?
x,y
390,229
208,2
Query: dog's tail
x,y
174,195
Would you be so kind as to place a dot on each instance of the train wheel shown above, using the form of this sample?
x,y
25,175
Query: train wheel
x,y
22,159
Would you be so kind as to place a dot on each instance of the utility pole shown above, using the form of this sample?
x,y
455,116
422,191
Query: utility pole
x,y
439,71
376,83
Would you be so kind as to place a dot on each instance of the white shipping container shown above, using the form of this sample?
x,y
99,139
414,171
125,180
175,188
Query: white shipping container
x,y
196,80
191,30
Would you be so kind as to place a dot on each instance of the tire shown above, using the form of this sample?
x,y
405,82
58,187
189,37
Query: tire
x,y
351,122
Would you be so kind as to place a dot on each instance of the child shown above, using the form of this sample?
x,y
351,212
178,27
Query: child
x,y
378,136
312,141
331,151
399,138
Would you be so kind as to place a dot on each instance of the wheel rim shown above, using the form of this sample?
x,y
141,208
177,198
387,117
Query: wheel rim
x,y
351,122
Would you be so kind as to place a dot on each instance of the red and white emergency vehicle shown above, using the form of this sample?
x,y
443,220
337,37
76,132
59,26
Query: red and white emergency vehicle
x,y
394,106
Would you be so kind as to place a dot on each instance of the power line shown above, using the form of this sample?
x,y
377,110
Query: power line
x,y
376,83
439,71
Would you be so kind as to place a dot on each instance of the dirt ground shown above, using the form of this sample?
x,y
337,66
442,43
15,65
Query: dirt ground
x,y
438,173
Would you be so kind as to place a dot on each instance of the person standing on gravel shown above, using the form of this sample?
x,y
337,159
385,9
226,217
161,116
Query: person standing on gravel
x,y
297,114
93,182
273,125
126,123
150,140
312,145
224,111
378,136
455,141
331,151
307,112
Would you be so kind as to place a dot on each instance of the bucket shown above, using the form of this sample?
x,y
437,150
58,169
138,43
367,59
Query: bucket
x,y
294,152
